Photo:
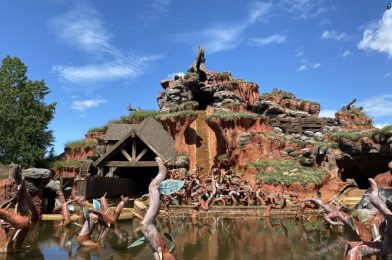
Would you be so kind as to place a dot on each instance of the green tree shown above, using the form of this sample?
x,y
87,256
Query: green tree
x,y
24,116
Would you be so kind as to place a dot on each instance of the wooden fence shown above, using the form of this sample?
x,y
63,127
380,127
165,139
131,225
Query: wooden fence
x,y
301,124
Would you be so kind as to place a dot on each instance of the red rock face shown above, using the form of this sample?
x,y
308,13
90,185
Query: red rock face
x,y
248,91
353,121
79,153
177,127
330,187
94,135
229,132
7,189
296,104
67,172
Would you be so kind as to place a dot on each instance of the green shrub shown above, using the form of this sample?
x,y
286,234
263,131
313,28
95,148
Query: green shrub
x,y
172,115
72,163
352,135
354,110
233,104
303,144
191,75
231,116
304,175
81,143
115,121
97,129
57,164
386,130
139,115
134,116
223,76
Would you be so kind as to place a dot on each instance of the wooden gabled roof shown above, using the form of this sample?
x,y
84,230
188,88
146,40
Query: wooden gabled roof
x,y
152,134
117,132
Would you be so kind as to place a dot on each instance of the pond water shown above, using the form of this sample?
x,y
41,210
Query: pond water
x,y
208,238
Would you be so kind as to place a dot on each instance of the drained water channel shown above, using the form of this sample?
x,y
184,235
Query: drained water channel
x,y
207,238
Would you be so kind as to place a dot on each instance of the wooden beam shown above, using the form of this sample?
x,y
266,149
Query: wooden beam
x,y
141,154
134,148
131,164
129,158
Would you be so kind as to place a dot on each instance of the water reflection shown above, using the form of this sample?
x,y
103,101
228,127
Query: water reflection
x,y
209,238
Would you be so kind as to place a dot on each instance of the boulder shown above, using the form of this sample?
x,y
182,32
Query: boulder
x,y
53,185
318,136
268,108
36,178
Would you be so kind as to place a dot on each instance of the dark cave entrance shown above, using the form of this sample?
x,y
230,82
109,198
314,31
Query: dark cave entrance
x,y
360,168
140,178
204,99
49,200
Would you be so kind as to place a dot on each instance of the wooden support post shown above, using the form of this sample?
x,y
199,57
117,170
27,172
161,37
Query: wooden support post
x,y
100,171
111,171
134,148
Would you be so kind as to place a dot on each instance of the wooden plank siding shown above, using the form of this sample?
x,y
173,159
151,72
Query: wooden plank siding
x,y
95,187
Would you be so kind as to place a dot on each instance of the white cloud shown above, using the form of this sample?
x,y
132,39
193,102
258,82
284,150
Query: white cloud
x,y
299,53
83,27
156,9
381,125
272,39
388,75
333,35
82,105
378,35
327,113
302,68
306,66
258,9
316,66
346,54
378,106
171,76
112,70
303,9
224,37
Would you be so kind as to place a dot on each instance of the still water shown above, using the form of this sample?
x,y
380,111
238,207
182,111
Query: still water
x,y
209,238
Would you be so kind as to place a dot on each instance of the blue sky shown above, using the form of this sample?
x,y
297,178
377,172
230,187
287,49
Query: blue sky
x,y
98,56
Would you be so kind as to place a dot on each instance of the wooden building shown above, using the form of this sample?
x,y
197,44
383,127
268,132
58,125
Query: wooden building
x,y
128,154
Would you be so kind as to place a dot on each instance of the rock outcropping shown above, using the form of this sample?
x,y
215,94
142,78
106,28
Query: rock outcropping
x,y
219,90
352,117
280,103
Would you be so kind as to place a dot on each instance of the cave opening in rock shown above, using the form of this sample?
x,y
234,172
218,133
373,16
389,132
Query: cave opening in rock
x,y
360,168
49,199
204,99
